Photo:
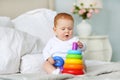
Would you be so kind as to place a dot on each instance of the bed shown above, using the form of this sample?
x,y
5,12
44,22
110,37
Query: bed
x,y
23,29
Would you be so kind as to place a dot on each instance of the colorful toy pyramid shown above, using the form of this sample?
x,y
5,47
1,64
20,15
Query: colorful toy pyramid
x,y
74,63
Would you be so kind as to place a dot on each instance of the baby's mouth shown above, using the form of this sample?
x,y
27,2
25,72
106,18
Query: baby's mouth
x,y
67,36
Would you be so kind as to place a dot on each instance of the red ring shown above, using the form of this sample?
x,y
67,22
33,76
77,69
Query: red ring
x,y
73,71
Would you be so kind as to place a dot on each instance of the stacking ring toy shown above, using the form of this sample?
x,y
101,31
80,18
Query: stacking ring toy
x,y
74,52
73,66
74,46
59,62
73,61
77,56
73,71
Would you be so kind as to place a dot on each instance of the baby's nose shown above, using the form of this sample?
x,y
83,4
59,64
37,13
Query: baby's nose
x,y
66,30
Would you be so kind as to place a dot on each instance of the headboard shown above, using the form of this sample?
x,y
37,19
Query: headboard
x,y
13,8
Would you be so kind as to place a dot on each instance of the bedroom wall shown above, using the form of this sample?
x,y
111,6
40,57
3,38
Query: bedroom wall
x,y
13,8
107,22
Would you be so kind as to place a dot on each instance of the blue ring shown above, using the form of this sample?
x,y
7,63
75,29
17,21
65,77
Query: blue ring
x,y
74,52
59,62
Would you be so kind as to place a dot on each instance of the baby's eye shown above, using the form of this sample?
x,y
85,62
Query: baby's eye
x,y
63,29
70,28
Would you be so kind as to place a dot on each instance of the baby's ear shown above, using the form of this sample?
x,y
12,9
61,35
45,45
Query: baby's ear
x,y
54,28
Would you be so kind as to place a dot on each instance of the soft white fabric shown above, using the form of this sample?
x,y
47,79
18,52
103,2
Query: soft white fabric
x,y
90,63
104,68
5,21
57,47
10,47
56,72
14,44
38,22
32,63
35,76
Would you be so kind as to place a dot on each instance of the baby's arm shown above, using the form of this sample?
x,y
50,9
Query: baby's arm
x,y
82,46
47,50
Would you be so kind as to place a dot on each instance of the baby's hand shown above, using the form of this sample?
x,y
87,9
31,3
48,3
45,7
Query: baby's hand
x,y
50,60
80,45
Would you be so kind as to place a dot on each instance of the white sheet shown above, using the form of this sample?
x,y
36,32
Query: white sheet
x,y
106,71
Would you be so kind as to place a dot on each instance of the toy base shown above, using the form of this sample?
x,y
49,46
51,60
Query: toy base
x,y
73,71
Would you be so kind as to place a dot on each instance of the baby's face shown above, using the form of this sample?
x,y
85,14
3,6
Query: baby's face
x,y
64,29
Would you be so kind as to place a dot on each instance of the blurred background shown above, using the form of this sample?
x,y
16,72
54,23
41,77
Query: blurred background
x,y
106,22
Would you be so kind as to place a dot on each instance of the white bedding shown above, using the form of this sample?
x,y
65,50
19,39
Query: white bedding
x,y
106,71
38,22
32,63
6,22
21,45
13,45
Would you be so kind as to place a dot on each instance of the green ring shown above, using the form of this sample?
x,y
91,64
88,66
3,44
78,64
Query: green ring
x,y
75,56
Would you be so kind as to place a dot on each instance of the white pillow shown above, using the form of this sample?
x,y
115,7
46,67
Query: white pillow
x,y
38,23
6,22
13,45
32,63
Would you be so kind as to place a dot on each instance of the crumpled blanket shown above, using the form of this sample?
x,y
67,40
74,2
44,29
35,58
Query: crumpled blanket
x,y
106,71
102,69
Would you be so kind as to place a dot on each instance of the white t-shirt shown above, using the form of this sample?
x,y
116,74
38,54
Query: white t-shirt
x,y
57,47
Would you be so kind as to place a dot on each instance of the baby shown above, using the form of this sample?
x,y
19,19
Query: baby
x,y
61,42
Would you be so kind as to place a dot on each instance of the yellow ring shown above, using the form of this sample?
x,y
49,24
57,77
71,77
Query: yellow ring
x,y
73,61
73,66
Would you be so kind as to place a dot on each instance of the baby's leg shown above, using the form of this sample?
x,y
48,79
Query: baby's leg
x,y
49,68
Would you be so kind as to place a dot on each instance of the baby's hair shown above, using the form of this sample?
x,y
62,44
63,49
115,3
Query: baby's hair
x,y
62,16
